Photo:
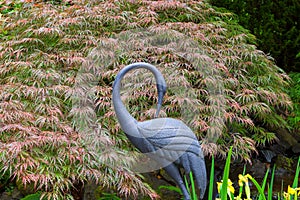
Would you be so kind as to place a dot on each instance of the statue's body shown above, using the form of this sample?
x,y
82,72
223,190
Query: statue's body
x,y
166,140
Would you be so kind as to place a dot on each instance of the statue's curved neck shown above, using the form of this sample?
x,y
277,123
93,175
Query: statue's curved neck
x,y
126,121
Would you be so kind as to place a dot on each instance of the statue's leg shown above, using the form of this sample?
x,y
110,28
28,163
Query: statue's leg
x,y
199,172
173,171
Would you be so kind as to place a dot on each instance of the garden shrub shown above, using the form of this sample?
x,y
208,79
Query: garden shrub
x,y
45,46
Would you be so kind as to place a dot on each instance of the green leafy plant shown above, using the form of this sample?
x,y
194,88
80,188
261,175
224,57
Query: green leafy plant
x,y
294,92
263,185
35,196
109,196
211,179
170,188
270,187
191,187
292,192
227,190
226,186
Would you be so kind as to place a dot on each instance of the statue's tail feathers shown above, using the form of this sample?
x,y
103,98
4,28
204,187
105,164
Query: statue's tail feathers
x,y
199,173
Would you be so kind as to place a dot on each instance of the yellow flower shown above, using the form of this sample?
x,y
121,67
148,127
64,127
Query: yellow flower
x,y
244,180
286,196
219,185
291,190
230,188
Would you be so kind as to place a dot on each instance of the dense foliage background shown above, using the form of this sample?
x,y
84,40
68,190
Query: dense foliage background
x,y
45,44
276,25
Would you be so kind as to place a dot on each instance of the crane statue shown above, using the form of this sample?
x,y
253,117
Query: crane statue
x,y
168,141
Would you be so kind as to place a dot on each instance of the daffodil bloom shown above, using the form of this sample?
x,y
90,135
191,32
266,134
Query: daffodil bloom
x,y
291,192
286,196
219,185
244,180
230,188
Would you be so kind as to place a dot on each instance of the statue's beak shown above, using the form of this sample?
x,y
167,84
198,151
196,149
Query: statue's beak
x,y
159,103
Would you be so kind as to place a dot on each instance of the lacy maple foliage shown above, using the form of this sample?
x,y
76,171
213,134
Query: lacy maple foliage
x,y
225,89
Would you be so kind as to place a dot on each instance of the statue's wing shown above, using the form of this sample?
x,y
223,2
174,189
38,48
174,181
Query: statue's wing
x,y
170,135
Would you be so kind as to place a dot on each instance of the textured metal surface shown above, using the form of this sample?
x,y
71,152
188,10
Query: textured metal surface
x,y
168,141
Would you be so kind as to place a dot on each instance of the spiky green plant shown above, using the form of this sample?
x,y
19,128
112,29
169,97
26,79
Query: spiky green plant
x,y
292,191
47,49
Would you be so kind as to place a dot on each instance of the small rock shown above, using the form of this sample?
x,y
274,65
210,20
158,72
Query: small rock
x,y
296,148
285,138
14,195
90,191
258,169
